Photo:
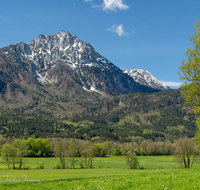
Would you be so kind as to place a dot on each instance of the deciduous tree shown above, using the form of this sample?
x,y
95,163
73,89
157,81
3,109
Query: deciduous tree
x,y
185,152
22,150
60,150
189,71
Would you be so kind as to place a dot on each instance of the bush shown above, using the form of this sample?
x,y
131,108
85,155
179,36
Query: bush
x,y
25,167
117,152
131,160
57,166
31,153
41,166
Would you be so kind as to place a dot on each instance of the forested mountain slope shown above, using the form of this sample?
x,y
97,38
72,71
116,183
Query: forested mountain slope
x,y
161,115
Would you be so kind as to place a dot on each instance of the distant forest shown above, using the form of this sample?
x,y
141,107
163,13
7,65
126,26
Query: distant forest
x,y
157,116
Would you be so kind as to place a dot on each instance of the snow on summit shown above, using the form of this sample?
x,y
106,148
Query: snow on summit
x,y
144,77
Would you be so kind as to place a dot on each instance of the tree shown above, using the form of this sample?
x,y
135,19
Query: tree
x,y
131,159
60,150
117,152
88,153
22,150
30,143
73,149
189,71
99,152
185,152
9,154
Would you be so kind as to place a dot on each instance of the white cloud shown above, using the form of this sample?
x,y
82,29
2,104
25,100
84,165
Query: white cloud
x,y
118,29
172,83
113,5
110,5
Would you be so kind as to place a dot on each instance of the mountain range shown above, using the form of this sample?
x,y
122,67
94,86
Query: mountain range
x,y
53,59
57,84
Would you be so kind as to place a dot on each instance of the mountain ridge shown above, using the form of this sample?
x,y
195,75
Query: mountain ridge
x,y
144,77
92,71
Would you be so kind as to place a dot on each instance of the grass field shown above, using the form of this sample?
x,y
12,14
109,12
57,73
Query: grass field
x,y
160,172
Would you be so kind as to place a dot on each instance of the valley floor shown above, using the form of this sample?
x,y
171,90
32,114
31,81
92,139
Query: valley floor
x,y
160,172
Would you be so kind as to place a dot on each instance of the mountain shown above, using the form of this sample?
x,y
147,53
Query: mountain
x,y
57,59
58,85
144,77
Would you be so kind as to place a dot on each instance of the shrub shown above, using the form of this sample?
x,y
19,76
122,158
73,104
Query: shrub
x,y
41,166
57,166
117,152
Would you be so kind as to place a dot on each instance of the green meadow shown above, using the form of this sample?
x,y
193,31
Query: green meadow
x,y
111,172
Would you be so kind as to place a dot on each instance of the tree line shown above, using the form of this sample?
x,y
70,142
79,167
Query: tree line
x,y
76,150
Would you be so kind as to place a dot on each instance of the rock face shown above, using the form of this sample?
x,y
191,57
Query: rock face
x,y
144,77
55,60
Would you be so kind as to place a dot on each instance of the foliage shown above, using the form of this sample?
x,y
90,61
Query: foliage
x,y
60,150
38,147
131,160
98,151
190,71
21,150
185,152
117,152
9,154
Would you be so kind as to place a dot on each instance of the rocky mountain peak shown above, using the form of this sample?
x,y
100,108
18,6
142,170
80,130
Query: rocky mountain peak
x,y
54,59
144,77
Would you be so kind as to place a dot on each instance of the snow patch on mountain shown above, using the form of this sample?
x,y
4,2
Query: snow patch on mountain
x,y
144,77
45,51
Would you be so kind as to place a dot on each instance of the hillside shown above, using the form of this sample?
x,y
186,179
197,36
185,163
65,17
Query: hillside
x,y
161,115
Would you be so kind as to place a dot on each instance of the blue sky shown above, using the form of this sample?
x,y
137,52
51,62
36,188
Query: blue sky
x,y
150,35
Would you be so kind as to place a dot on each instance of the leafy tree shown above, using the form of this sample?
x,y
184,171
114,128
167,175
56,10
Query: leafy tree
x,y
30,143
21,150
99,152
107,147
87,153
73,149
185,152
189,71
9,154
131,159
117,152
5,154
60,150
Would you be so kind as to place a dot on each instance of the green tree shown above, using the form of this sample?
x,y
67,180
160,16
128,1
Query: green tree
x,y
60,150
87,153
73,149
189,71
99,152
131,160
117,152
22,150
9,154
30,143
185,152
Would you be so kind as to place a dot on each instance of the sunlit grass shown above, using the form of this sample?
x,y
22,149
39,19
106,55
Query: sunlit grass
x,y
159,172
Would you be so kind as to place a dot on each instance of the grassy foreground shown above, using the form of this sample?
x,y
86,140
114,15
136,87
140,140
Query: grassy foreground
x,y
113,174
